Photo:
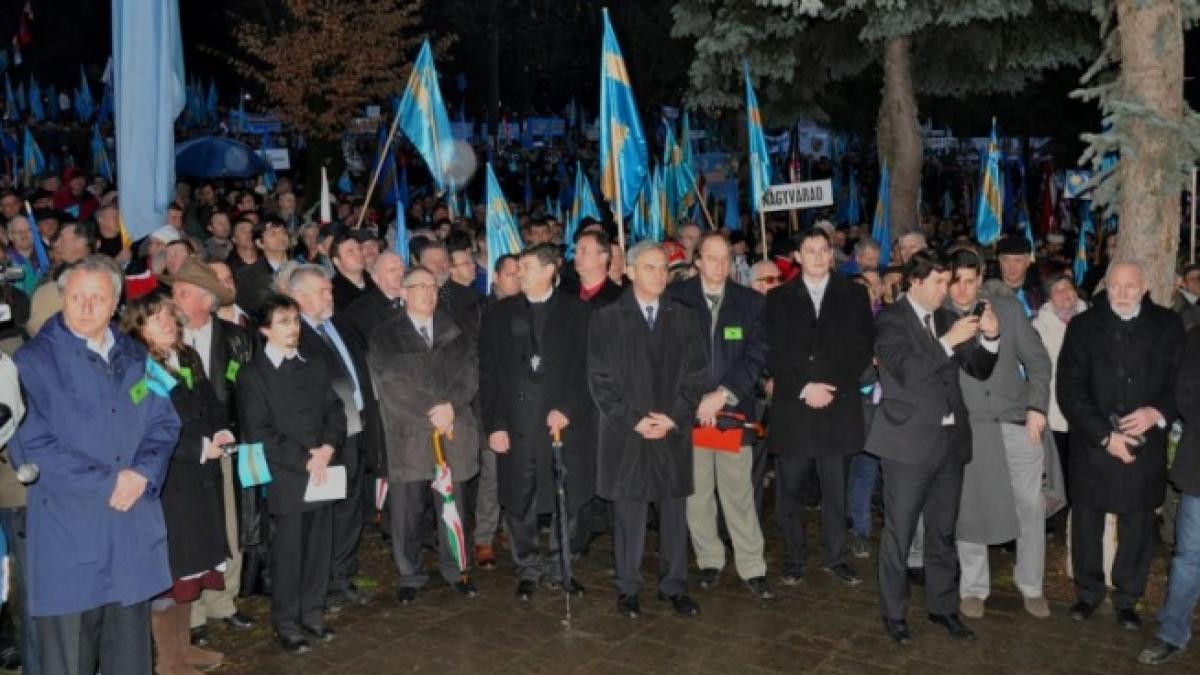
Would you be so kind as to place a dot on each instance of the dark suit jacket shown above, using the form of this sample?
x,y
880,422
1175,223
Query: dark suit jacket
x,y
367,312
464,305
737,346
833,347
511,404
255,283
314,348
920,385
345,292
290,410
229,343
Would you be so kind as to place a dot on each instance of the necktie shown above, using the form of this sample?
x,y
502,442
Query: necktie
x,y
650,316
424,331
929,326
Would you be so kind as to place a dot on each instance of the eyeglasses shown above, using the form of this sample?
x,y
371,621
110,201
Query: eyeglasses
x,y
422,287
771,279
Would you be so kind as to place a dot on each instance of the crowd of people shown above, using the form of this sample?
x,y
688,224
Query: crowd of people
x,y
228,405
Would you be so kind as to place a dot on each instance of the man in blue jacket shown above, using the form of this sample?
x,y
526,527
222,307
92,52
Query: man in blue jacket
x,y
103,439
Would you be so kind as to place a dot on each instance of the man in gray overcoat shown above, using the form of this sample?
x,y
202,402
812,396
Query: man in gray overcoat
x,y
1002,496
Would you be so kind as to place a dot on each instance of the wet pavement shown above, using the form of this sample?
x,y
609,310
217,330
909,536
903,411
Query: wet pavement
x,y
819,626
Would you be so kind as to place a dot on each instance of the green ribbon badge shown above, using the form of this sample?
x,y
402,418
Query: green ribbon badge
x,y
186,374
733,332
231,371
138,392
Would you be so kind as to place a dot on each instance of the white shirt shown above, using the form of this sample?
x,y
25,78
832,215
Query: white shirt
x,y
1188,296
427,324
817,292
103,347
537,301
277,356
200,339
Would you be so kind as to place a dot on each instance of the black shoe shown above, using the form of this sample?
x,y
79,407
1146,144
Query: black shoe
x,y
628,607
1083,610
466,589
294,644
407,596
683,605
324,634
760,588
200,636
573,588
859,546
240,622
792,577
916,575
898,631
1128,618
10,658
708,577
525,589
1158,652
844,574
958,630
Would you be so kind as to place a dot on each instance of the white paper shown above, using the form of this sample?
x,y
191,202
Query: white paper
x,y
333,488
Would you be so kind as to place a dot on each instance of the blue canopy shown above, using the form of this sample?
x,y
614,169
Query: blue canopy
x,y
217,157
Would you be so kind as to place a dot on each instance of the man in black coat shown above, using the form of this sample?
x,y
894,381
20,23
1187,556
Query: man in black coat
x,y
256,282
1116,387
646,372
922,435
380,303
819,328
325,340
289,405
463,303
351,281
533,383
1175,617
730,323
590,281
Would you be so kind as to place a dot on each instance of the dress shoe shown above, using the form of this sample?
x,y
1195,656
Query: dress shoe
x,y
1158,652
708,577
465,588
972,608
954,625
792,577
525,589
859,546
1083,610
323,634
760,588
916,576
898,631
628,607
294,644
843,573
573,587
1128,618
10,658
485,557
200,636
682,604
1037,607
407,596
240,622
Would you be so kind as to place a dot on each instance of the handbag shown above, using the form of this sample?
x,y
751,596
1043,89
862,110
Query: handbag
x,y
252,465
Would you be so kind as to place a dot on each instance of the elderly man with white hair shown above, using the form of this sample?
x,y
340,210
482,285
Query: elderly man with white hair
x,y
1116,387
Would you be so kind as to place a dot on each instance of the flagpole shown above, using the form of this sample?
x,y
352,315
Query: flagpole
x,y
703,206
762,227
1192,258
387,144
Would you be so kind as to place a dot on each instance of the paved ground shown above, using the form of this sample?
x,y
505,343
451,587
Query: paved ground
x,y
819,626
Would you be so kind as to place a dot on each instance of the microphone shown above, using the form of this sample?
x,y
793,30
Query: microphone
x,y
26,473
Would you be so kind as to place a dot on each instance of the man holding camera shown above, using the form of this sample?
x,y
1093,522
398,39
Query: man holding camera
x,y
1116,387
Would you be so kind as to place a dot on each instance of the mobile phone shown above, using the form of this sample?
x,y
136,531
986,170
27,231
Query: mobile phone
x,y
978,309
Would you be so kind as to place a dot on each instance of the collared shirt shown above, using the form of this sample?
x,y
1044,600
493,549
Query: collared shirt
x,y
424,327
817,292
649,309
277,356
544,298
200,339
101,348
331,332
586,294
991,345
1188,296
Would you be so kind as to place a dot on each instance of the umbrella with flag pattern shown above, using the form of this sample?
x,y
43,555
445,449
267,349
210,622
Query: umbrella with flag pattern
x,y
443,485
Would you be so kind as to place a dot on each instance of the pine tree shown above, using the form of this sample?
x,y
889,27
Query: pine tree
x,y
800,49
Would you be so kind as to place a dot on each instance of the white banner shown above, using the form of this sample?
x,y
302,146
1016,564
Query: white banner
x,y
798,196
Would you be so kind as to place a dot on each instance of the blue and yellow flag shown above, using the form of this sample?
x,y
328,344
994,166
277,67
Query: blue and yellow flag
x,y
100,164
400,243
881,225
623,154
35,100
989,216
1086,227
659,212
33,159
503,236
423,118
582,206
760,159
678,179
85,105
11,112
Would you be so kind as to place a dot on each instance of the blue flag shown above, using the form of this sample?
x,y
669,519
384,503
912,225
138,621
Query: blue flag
x,y
760,159
21,105
1086,227
149,92
344,185
32,159
106,105
210,104
35,100
423,118
850,211
85,106
583,206
659,212
503,236
269,180
989,215
100,163
387,169
623,154
39,248
400,243
52,109
11,111
881,225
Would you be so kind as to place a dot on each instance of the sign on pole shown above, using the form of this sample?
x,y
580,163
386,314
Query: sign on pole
x,y
809,195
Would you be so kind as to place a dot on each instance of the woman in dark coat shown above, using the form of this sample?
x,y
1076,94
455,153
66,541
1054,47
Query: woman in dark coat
x,y
191,494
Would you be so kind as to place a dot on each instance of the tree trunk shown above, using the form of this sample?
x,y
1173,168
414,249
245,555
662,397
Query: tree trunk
x,y
1151,50
900,135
